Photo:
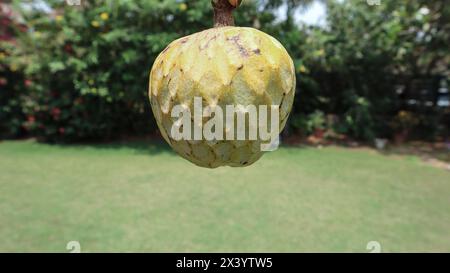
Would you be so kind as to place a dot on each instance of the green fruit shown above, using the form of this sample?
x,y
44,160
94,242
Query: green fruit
x,y
224,66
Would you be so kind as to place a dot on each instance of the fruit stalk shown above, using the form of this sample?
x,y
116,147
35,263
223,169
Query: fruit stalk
x,y
223,12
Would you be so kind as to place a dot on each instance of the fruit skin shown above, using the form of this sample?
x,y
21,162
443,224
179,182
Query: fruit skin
x,y
224,66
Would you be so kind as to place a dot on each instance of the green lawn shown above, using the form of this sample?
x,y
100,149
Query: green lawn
x,y
142,197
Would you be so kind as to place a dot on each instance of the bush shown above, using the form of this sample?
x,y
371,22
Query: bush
x,y
12,82
307,125
12,117
83,71
90,64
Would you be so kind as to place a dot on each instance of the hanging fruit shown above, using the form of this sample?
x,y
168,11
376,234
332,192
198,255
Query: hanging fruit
x,y
219,67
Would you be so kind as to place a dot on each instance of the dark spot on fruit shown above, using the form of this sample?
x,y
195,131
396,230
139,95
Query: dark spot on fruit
x,y
167,48
261,70
185,40
207,43
257,51
282,99
240,67
237,42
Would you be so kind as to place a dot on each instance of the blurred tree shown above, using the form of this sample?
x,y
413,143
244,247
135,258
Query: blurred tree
x,y
90,63
87,66
352,68
12,82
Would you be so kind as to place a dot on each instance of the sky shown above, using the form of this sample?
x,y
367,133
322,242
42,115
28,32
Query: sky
x,y
313,15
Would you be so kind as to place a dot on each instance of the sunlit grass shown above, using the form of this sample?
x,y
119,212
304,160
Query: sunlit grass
x,y
142,197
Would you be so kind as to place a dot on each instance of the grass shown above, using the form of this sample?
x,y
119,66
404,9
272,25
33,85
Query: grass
x,y
141,197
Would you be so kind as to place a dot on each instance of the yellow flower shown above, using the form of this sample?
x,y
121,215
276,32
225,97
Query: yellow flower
x,y
320,52
104,16
37,34
403,114
302,69
183,6
95,23
58,18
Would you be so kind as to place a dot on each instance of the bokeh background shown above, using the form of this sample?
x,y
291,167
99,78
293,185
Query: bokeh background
x,y
365,154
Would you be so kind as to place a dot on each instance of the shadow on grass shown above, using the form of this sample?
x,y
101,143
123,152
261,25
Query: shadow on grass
x,y
142,146
431,154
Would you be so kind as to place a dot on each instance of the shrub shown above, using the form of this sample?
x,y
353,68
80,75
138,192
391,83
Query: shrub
x,y
12,81
86,68
90,64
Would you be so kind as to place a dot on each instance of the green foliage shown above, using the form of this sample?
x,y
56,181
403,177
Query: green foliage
x,y
358,120
87,67
11,100
352,67
309,123
13,86
90,64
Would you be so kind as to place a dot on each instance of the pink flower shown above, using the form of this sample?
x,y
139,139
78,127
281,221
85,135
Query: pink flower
x,y
68,48
28,83
56,112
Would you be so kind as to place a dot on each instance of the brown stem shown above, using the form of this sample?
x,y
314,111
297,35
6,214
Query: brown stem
x,y
223,13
